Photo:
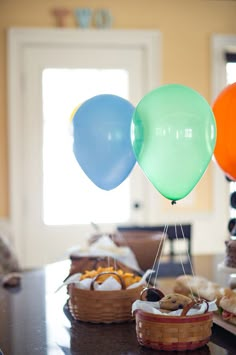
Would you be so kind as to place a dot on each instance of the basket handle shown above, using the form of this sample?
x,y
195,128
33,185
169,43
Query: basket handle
x,y
191,304
144,292
123,285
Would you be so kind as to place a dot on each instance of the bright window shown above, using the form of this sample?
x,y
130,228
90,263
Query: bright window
x,y
231,72
69,197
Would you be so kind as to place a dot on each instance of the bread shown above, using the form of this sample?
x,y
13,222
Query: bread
x,y
198,286
174,301
228,306
182,284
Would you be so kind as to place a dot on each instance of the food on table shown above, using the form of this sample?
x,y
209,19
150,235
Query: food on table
x,y
105,272
198,286
228,306
230,258
174,301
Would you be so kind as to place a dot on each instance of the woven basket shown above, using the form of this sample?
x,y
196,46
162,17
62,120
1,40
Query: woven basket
x,y
103,306
173,332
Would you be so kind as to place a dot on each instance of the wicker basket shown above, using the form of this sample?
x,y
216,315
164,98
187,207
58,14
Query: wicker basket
x,y
103,306
172,333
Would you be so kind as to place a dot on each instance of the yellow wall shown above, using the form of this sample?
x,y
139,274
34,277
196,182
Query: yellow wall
x,y
186,26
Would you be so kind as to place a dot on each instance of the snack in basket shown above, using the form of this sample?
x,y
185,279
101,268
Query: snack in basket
x,y
228,306
198,286
174,301
105,272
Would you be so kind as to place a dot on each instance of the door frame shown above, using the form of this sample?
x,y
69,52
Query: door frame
x,y
220,43
18,40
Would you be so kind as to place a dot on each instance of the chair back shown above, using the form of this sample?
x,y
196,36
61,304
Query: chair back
x,y
143,241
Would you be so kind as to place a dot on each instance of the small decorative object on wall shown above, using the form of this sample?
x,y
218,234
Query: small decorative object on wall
x,y
83,17
102,18
61,13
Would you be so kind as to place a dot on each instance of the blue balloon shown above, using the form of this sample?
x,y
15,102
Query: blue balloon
x,y
102,140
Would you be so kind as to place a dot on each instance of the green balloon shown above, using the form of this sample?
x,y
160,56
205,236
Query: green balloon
x,y
173,133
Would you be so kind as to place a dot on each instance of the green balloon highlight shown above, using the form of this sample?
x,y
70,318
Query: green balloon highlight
x,y
173,133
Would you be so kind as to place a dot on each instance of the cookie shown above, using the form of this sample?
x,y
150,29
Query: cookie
x,y
174,301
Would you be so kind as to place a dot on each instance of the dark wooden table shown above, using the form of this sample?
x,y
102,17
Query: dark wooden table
x,y
35,320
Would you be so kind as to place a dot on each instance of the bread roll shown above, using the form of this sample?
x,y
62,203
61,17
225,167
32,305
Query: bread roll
x,y
174,301
228,305
198,286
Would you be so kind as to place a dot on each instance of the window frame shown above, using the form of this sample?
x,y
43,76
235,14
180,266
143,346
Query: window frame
x,y
220,44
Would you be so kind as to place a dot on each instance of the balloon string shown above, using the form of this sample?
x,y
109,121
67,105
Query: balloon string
x,y
156,263
189,260
173,202
114,258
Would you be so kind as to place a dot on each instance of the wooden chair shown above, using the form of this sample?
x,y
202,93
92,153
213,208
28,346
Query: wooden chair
x,y
173,260
145,244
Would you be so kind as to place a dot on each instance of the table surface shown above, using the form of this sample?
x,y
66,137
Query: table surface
x,y
35,320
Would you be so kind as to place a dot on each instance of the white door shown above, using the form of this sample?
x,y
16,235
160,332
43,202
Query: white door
x,y
57,205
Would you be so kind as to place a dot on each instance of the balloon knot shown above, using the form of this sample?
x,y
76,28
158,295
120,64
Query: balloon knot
x,y
173,202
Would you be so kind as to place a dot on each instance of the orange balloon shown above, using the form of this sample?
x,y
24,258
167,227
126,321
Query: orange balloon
x,y
224,109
